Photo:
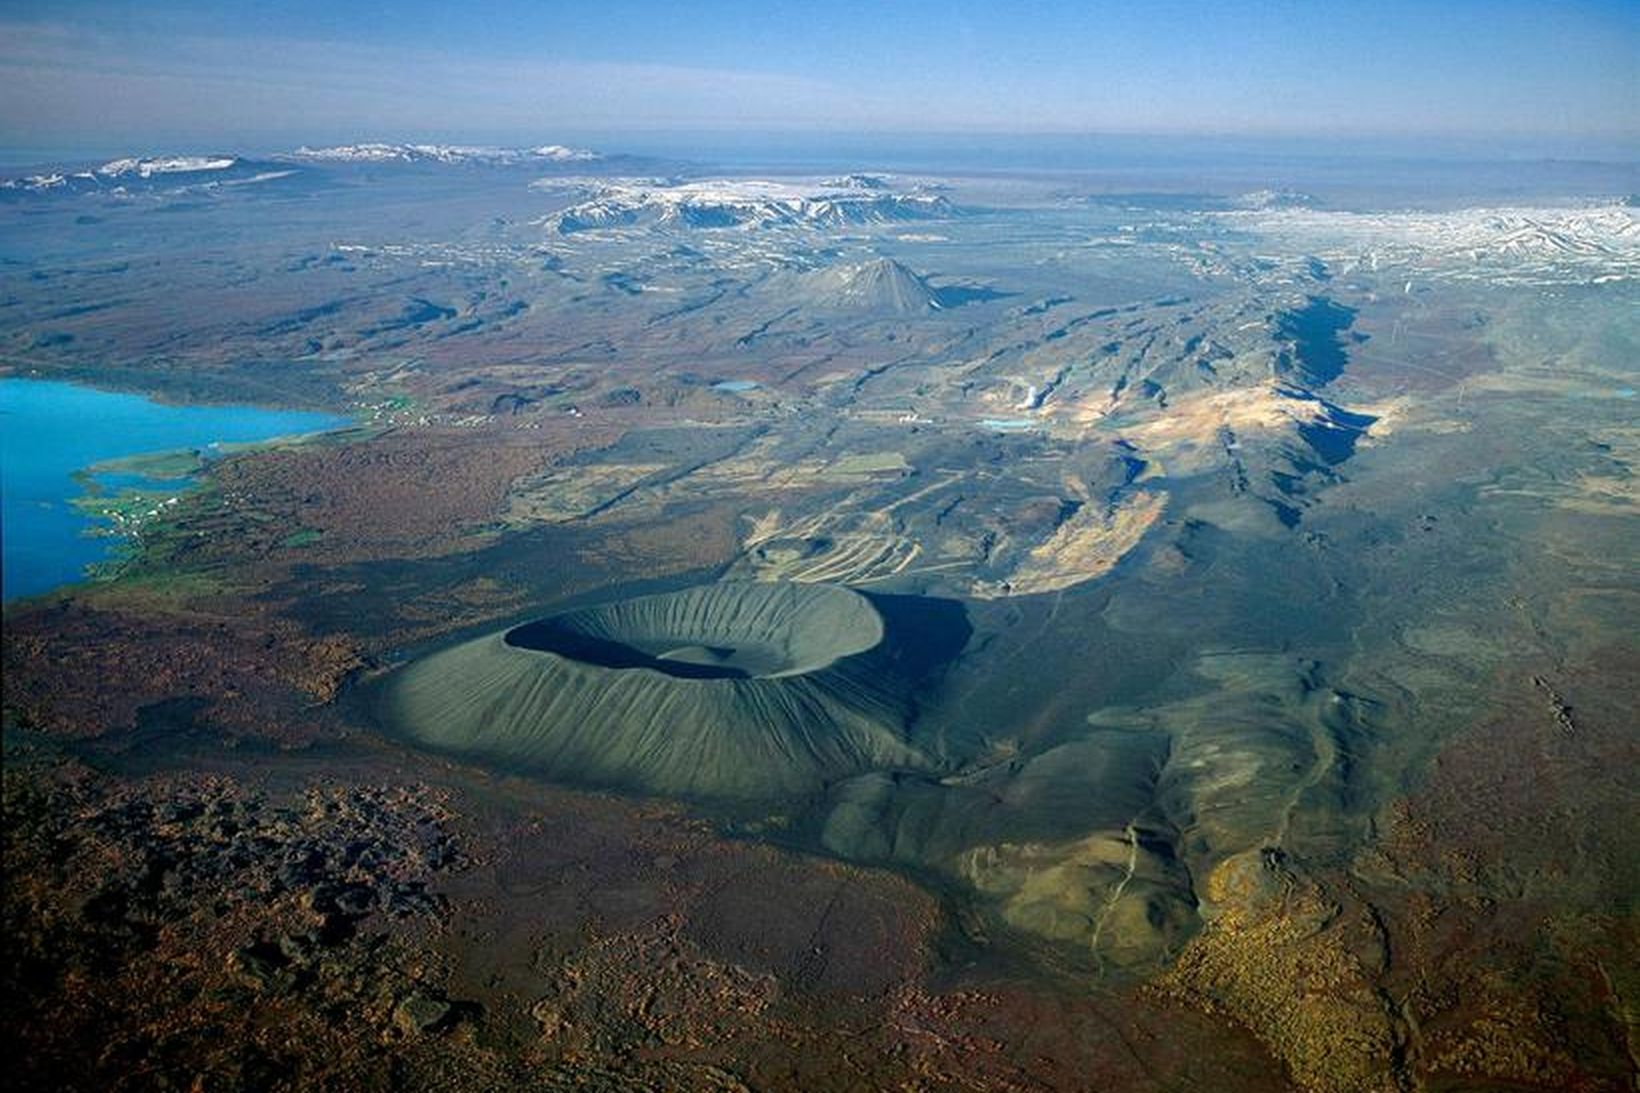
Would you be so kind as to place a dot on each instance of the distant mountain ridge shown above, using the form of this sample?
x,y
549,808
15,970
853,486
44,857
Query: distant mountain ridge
x,y
729,203
162,172
486,155
147,173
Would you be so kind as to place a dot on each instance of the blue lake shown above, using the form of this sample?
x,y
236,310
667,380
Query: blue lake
x,y
49,431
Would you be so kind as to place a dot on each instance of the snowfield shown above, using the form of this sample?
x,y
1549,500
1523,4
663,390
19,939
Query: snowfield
x,y
1537,245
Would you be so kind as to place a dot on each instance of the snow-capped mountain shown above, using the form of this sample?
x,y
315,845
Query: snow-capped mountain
x,y
148,174
732,203
377,152
166,165
165,173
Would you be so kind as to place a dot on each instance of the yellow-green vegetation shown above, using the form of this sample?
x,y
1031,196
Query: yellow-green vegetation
x,y
128,511
1104,891
173,464
158,591
352,434
868,463
1286,962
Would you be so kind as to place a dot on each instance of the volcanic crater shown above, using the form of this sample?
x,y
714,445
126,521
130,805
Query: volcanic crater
x,y
737,689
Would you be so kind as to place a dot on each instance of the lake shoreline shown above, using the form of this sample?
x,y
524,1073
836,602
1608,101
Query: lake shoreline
x,y
75,497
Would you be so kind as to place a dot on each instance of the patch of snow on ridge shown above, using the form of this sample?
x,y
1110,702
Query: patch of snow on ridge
x,y
36,183
1276,199
732,203
562,153
858,182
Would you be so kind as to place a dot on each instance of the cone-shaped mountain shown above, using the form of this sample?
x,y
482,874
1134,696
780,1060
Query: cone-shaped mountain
x,y
737,689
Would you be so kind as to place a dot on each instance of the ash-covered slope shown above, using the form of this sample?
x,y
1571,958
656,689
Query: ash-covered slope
x,y
735,690
1120,839
881,285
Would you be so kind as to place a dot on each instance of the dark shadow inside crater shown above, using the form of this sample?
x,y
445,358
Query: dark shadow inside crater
x,y
920,636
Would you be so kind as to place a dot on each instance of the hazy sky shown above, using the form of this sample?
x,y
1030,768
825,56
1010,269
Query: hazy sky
x,y
190,73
